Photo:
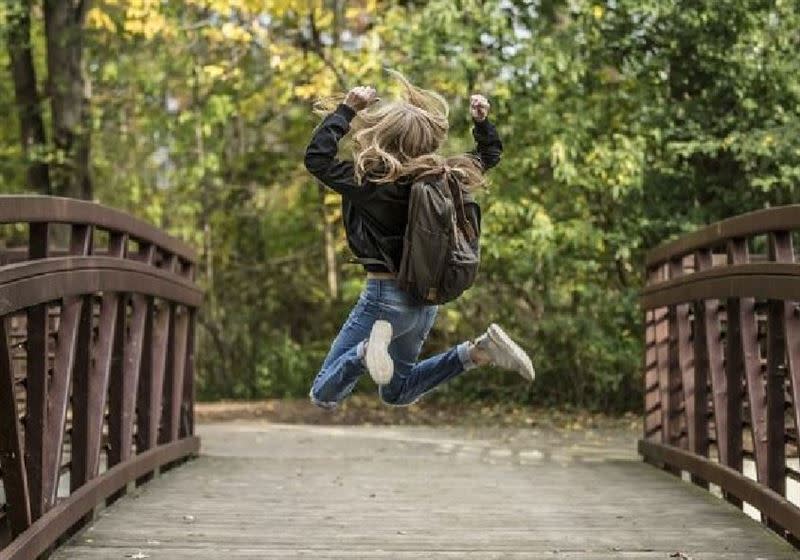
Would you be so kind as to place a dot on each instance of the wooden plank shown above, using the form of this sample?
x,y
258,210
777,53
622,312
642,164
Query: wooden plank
x,y
77,508
278,492
36,381
744,488
15,480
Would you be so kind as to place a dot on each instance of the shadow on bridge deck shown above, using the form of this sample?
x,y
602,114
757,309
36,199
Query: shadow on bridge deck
x,y
280,491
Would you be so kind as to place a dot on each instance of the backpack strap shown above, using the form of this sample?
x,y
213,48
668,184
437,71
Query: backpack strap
x,y
459,197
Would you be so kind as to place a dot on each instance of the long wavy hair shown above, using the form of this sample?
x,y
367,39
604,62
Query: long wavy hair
x,y
398,138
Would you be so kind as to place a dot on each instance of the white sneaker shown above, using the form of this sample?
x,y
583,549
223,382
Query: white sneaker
x,y
377,358
504,352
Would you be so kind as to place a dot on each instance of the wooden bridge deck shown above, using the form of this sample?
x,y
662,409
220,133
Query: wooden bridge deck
x,y
279,491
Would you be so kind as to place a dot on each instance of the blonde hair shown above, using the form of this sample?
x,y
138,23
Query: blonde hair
x,y
399,138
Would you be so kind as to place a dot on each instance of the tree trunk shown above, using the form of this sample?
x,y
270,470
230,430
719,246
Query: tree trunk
x,y
329,242
23,72
69,96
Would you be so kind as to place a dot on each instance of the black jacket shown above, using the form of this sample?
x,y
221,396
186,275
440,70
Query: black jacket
x,y
375,214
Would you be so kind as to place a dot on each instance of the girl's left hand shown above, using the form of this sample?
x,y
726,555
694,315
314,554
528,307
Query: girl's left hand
x,y
478,106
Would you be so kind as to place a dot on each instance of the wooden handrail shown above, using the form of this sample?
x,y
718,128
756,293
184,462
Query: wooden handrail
x,y
56,210
718,319
108,343
779,218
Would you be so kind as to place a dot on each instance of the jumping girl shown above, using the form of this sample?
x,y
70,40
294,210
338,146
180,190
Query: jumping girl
x,y
395,142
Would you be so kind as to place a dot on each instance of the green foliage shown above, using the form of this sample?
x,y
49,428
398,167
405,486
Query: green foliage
x,y
624,122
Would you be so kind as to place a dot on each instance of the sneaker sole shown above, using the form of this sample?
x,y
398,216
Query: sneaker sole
x,y
499,337
379,362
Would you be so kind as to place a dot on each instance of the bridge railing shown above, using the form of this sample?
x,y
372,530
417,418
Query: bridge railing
x,y
97,318
722,360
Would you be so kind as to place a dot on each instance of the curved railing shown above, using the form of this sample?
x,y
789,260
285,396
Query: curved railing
x,y
97,317
722,360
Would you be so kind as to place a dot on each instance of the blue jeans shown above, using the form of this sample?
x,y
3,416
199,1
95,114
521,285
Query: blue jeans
x,y
382,299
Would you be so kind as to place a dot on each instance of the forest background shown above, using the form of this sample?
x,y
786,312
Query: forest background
x,y
623,121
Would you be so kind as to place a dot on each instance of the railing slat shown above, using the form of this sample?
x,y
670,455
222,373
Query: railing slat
x,y
661,322
681,366
15,480
652,399
176,369
744,359
779,318
125,391
708,365
80,394
37,377
58,392
187,425
153,382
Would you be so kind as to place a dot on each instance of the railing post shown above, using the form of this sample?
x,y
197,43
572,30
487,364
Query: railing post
x,y
187,407
783,349
37,380
737,311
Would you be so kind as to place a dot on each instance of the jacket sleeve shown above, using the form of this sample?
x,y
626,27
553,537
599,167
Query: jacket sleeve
x,y
488,145
320,158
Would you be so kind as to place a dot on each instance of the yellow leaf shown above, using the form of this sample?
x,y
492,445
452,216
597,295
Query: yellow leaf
x,y
98,19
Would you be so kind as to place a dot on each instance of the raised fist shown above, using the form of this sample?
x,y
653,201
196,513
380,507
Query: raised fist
x,y
360,96
478,106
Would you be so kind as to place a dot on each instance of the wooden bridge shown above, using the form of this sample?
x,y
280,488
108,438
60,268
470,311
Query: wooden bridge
x,y
97,315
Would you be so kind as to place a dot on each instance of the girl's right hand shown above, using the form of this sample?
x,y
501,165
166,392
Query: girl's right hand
x,y
360,97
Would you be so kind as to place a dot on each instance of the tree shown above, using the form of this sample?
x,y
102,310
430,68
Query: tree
x,y
69,97
28,101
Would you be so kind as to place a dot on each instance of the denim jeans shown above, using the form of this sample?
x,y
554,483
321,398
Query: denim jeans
x,y
382,299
